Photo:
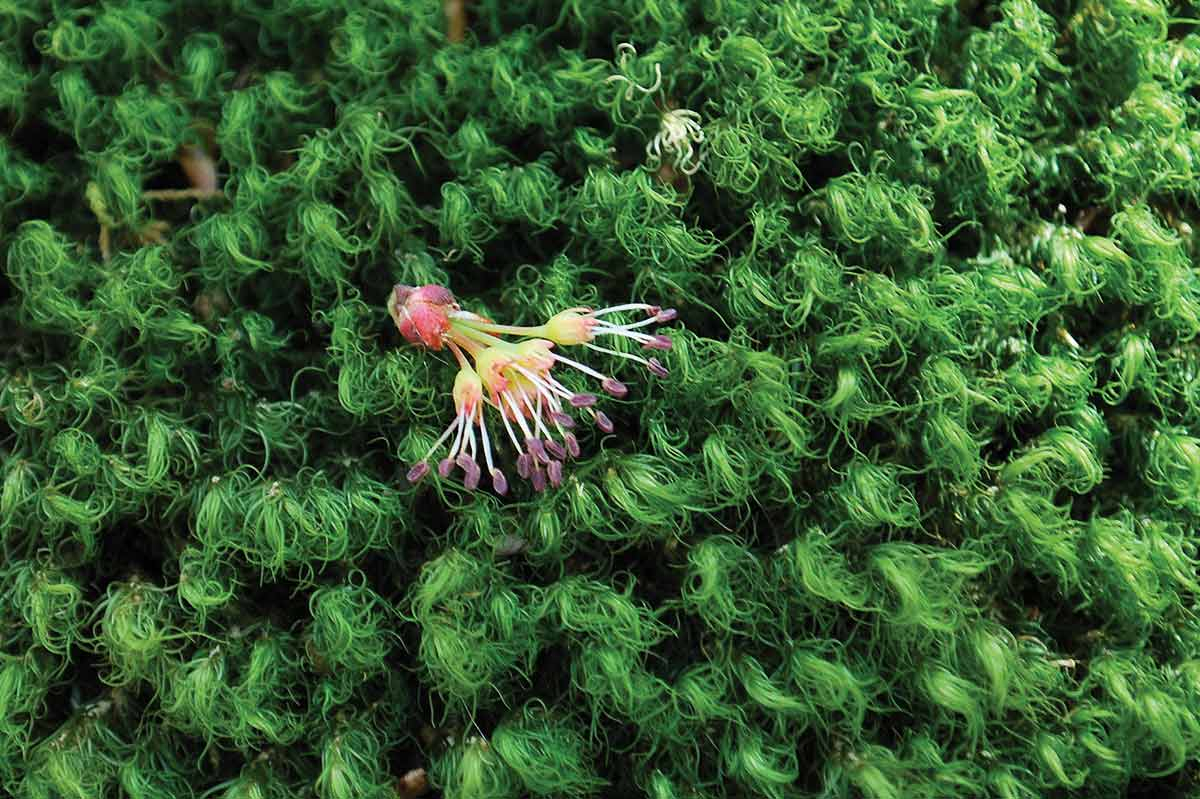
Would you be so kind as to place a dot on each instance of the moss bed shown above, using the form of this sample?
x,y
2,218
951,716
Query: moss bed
x,y
914,513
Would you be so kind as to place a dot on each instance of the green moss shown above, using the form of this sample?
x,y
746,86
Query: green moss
x,y
913,515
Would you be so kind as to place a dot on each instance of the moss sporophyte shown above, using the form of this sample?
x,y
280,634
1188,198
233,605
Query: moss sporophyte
x,y
514,379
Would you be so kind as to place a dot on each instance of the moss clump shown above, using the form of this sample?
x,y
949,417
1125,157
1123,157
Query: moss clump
x,y
914,514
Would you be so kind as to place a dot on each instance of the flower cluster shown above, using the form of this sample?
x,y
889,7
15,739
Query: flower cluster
x,y
514,380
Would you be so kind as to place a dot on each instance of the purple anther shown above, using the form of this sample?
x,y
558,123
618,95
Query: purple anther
x,y
658,342
572,444
555,449
583,400
524,465
656,368
537,450
562,420
499,482
445,466
666,315
471,471
539,480
418,471
614,387
603,422
555,472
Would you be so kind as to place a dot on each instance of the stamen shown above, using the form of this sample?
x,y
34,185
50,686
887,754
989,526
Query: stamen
x,y
666,315
658,342
512,436
462,428
499,482
442,439
629,306
587,370
603,422
555,449
539,480
445,466
562,420
655,366
605,327
549,389
632,335
583,400
541,427
572,444
627,355
524,465
614,387
555,471
527,402
555,408
487,445
470,438
470,471
518,416
537,450
418,471
549,386
536,414
561,389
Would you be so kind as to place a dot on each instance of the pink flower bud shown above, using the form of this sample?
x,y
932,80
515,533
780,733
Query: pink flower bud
x,y
422,314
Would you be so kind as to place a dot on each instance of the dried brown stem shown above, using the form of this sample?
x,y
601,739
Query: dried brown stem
x,y
199,167
180,194
456,20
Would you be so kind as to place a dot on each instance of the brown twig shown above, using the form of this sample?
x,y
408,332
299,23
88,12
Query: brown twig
x,y
180,194
456,20
105,243
199,167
